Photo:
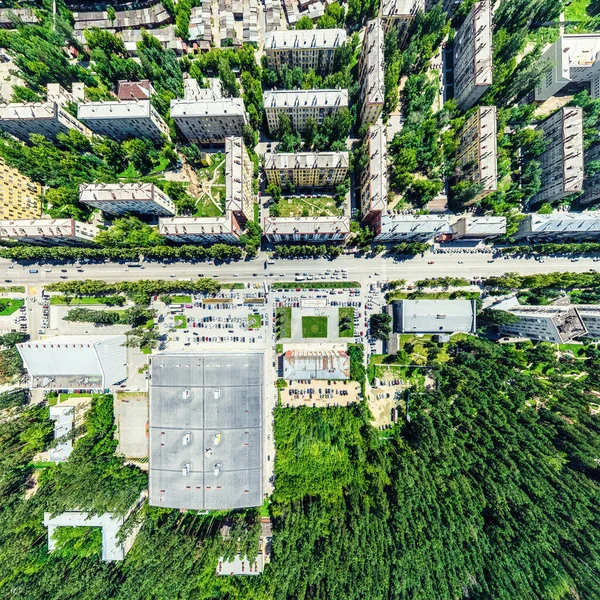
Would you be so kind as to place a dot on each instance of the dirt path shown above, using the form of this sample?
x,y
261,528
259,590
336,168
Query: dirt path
x,y
208,184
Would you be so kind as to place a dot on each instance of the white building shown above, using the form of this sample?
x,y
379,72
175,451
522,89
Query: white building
x,y
89,362
473,56
315,363
400,14
560,225
204,116
590,315
571,59
63,416
239,174
434,316
301,105
307,169
307,49
562,160
49,118
374,179
201,230
306,229
48,232
121,198
470,227
411,228
371,73
240,565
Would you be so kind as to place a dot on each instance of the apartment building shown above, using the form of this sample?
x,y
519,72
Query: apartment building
x,y
19,196
477,159
204,116
411,228
307,49
571,59
48,232
400,14
371,73
374,179
48,118
10,16
470,227
562,161
473,56
201,230
591,183
307,169
131,116
239,173
301,105
306,229
560,225
590,315
119,199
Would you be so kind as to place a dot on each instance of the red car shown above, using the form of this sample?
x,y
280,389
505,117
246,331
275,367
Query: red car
x,y
429,262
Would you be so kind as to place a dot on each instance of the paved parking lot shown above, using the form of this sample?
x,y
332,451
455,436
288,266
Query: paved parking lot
x,y
320,393
131,419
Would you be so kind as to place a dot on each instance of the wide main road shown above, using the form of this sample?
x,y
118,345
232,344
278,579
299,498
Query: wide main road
x,y
361,269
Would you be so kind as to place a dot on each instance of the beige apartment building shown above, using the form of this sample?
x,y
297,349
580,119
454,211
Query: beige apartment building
x,y
371,73
307,169
48,232
201,230
239,172
400,14
306,229
374,179
118,199
19,196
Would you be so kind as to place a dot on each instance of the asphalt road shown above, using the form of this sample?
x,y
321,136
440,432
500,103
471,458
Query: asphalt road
x,y
361,269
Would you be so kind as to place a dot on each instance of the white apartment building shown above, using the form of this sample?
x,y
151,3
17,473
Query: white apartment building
x,y
201,230
301,105
49,118
571,59
306,229
307,169
122,198
239,173
411,228
477,158
307,49
131,116
562,161
371,73
473,56
560,225
204,116
374,179
400,14
470,227
591,183
48,232
590,315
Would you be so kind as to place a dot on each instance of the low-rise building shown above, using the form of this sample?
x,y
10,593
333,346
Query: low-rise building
x,y
165,36
307,49
63,417
572,58
371,73
201,230
136,18
10,16
560,225
473,56
273,15
240,565
306,229
434,316
315,364
307,169
411,228
89,362
48,232
201,35
400,14
301,105
477,158
239,174
122,198
562,160
470,227
19,196
374,179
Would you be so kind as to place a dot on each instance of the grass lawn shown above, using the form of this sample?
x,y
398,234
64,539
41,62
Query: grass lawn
x,y
10,305
284,322
348,329
294,206
314,327
432,295
146,350
180,321
63,397
176,299
254,321
75,301
205,207
14,289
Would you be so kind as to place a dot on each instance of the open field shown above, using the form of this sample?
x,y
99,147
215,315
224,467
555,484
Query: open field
x,y
284,322
347,329
314,327
10,305
317,206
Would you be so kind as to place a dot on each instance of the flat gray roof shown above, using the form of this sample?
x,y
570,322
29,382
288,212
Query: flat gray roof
x,y
206,421
434,316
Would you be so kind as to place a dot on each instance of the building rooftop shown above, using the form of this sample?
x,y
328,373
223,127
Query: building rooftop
x,y
434,316
416,224
63,417
400,8
377,171
305,98
374,80
307,160
240,565
41,228
196,225
304,39
581,49
193,92
121,192
482,226
306,225
114,109
206,430
482,41
565,222
316,364
207,108
28,110
234,173
135,90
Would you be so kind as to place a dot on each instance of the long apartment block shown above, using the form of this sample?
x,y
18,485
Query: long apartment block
x,y
19,196
201,230
307,49
371,73
400,14
239,172
477,154
374,179
49,118
307,169
301,105
560,225
306,229
591,187
562,161
48,232
473,56
204,116
412,228
131,116
118,199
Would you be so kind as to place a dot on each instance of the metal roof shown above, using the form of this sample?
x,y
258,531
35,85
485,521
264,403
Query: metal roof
x,y
434,316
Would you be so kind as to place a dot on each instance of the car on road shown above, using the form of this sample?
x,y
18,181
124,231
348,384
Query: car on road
x,y
429,262
63,270
461,262
33,271
64,277
47,270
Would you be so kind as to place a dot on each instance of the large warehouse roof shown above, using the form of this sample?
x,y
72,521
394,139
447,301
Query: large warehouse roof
x,y
205,430
434,316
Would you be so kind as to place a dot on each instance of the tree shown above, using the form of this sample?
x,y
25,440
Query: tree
x,y
130,232
310,131
274,191
304,23
381,326
228,79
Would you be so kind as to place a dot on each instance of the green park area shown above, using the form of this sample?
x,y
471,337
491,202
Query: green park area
x,y
283,322
10,305
254,321
314,327
346,322
296,206
180,321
